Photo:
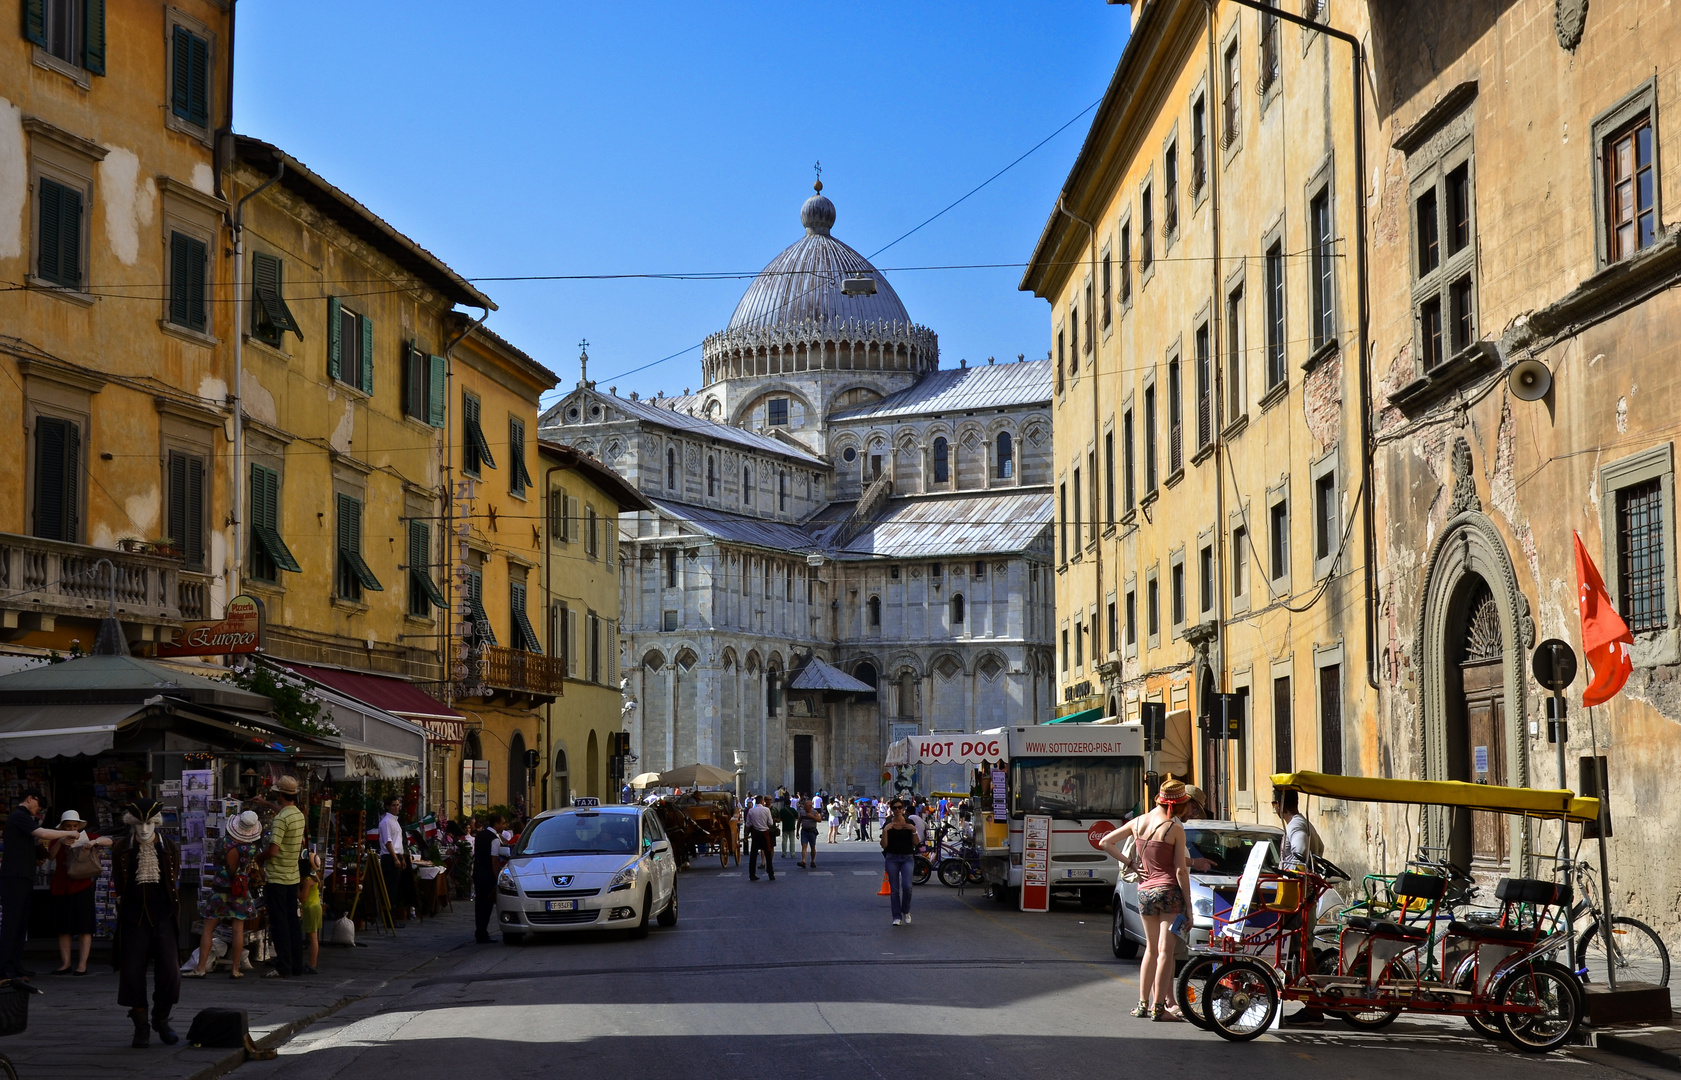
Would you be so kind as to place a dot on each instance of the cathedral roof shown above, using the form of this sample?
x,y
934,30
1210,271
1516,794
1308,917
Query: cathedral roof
x,y
994,386
804,282
971,524
658,411
739,528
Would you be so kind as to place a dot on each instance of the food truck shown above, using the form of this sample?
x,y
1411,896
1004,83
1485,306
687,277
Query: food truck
x,y
1087,778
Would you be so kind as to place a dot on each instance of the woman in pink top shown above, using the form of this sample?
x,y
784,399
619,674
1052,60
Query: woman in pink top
x,y
1164,884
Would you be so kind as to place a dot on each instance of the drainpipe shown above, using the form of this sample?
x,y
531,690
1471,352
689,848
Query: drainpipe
x,y
548,614
224,134
1096,421
236,398
1217,387
1363,299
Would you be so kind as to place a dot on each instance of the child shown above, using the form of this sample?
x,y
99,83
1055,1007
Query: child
x,y
309,899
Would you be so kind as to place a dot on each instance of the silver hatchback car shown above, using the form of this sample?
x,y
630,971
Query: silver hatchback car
x,y
587,868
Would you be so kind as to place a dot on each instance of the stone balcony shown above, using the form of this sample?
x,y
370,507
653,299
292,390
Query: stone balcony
x,y
42,581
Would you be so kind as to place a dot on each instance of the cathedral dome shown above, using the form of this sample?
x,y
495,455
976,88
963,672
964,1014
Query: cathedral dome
x,y
804,282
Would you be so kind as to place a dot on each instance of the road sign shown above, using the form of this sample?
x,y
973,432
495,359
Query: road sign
x,y
1554,664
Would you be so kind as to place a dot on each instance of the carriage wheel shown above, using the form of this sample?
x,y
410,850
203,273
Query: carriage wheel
x,y
1240,1000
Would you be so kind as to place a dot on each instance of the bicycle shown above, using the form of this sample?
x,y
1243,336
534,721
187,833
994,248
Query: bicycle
x,y
1638,952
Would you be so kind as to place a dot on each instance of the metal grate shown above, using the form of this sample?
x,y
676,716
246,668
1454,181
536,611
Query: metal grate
x,y
1640,566
561,918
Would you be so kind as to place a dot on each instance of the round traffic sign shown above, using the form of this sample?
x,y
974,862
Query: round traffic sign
x,y
1554,664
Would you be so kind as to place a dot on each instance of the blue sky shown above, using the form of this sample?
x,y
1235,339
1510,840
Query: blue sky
x,y
521,138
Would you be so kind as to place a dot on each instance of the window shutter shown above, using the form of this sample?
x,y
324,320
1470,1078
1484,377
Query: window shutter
x,y
93,36
194,540
367,354
516,606
610,524
612,646
435,392
557,515
47,196
177,523
571,643
72,473
197,257
572,518
179,312
35,21
192,73
70,236
334,334
49,477
181,74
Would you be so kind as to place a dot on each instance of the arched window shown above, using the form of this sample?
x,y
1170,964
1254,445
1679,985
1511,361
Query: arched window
x,y
942,461
875,611
562,782
670,467
470,748
1006,456
782,491
711,476
957,609
865,673
747,485
517,772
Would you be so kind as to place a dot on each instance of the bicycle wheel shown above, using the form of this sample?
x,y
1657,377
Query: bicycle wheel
x,y
976,874
1639,954
923,871
1548,988
1240,1000
1188,986
1375,1019
953,872
6,1068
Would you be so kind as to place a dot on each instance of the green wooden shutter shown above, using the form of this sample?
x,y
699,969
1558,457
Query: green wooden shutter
x,y
49,477
72,476
343,575
93,36
435,392
194,539
198,256
70,236
177,523
200,112
187,257
35,21
181,72
48,195
334,333
367,354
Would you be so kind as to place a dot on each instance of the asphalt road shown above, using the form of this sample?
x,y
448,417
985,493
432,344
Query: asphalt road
x,y
805,977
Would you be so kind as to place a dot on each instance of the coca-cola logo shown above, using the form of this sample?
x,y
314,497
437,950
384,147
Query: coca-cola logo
x,y
1097,832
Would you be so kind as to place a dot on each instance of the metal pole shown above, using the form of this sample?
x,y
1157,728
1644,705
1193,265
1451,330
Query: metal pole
x,y
1604,865
1558,731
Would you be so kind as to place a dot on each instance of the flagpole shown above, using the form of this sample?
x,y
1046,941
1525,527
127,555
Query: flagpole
x,y
1604,866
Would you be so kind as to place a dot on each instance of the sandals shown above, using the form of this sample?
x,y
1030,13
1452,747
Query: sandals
x,y
1166,1014
236,973
1143,1010
194,974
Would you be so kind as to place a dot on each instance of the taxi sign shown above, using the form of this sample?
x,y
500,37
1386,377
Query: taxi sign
x,y
586,803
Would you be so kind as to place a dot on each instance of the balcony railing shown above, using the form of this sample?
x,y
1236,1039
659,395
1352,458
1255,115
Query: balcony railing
x,y
54,578
194,593
523,672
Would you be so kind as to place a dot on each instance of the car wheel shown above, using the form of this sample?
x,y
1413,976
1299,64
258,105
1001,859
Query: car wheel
x,y
511,937
1124,947
668,917
641,930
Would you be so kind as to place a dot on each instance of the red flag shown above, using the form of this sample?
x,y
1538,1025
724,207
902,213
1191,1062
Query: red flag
x,y
1606,641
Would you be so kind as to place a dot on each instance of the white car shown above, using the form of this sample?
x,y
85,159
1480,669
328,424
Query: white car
x,y
588,868
1227,845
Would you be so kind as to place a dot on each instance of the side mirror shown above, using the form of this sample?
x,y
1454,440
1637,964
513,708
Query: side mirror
x,y
659,845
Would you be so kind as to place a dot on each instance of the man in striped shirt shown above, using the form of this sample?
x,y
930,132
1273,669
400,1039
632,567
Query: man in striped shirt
x,y
280,894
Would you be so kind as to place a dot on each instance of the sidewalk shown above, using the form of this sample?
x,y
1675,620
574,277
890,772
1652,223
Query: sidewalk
x,y
77,1029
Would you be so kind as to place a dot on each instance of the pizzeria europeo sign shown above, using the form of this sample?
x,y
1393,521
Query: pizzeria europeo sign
x,y
240,630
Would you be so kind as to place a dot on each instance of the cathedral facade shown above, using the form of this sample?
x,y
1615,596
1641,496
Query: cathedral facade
x,y
831,493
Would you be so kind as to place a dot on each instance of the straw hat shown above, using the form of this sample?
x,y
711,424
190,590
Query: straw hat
x,y
72,816
287,785
1171,793
245,828
1195,794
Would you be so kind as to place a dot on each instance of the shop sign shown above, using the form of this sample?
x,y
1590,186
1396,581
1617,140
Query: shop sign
x,y
968,749
239,631
1095,834
443,731
1036,863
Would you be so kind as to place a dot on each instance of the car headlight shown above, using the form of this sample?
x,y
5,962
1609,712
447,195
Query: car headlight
x,y
624,879
1204,907
505,884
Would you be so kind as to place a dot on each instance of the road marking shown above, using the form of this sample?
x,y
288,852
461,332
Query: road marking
x,y
863,873
822,873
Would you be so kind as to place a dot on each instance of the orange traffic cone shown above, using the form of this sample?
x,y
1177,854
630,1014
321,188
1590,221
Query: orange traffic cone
x,y
886,889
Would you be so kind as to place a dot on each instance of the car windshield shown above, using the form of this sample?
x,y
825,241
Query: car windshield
x,y
580,834
1228,849
1077,787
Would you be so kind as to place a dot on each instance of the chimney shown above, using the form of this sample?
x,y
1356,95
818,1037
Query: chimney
x,y
963,363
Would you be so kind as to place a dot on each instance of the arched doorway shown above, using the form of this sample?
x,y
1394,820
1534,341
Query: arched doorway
x,y
592,766
517,794
1475,719
562,782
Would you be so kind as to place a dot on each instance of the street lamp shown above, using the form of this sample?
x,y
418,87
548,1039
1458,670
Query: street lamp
x,y
740,757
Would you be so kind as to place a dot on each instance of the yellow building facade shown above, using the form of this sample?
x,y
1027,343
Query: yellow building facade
x,y
1206,331
114,332
581,596
502,671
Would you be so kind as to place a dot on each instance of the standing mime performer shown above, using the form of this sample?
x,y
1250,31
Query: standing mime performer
x,y
145,876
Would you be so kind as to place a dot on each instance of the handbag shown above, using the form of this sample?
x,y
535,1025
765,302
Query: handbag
x,y
1130,868
83,864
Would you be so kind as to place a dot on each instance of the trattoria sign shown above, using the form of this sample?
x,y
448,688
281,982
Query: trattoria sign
x,y
239,631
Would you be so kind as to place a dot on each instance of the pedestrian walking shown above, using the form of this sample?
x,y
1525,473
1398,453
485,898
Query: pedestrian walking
x,y
789,820
484,877
17,879
75,868
146,878
280,891
231,897
898,845
835,810
808,834
1164,885
759,826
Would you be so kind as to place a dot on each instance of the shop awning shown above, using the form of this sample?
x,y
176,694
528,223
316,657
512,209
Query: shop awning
x,y
377,766
45,731
397,696
1084,716
377,742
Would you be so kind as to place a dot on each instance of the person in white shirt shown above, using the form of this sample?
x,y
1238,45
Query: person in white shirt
x,y
392,857
758,830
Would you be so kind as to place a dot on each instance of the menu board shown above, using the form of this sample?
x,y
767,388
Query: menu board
x,y
1036,863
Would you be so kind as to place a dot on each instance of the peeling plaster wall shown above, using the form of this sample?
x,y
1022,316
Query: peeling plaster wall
x,y
14,180
130,201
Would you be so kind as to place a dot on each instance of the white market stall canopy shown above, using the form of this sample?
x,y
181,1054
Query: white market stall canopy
x,y
953,749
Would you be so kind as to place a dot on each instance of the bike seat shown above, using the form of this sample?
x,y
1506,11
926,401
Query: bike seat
x,y
1385,928
1485,932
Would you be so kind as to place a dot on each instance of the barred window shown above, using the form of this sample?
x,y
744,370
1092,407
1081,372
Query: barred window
x,y
1640,555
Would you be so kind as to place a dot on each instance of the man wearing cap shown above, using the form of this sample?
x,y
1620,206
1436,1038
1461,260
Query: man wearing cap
x,y
17,879
280,893
146,877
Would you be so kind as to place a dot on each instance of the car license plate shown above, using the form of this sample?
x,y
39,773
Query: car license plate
x,y
1079,873
561,905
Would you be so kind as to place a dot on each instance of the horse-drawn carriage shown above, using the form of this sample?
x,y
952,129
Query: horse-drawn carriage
x,y
701,820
